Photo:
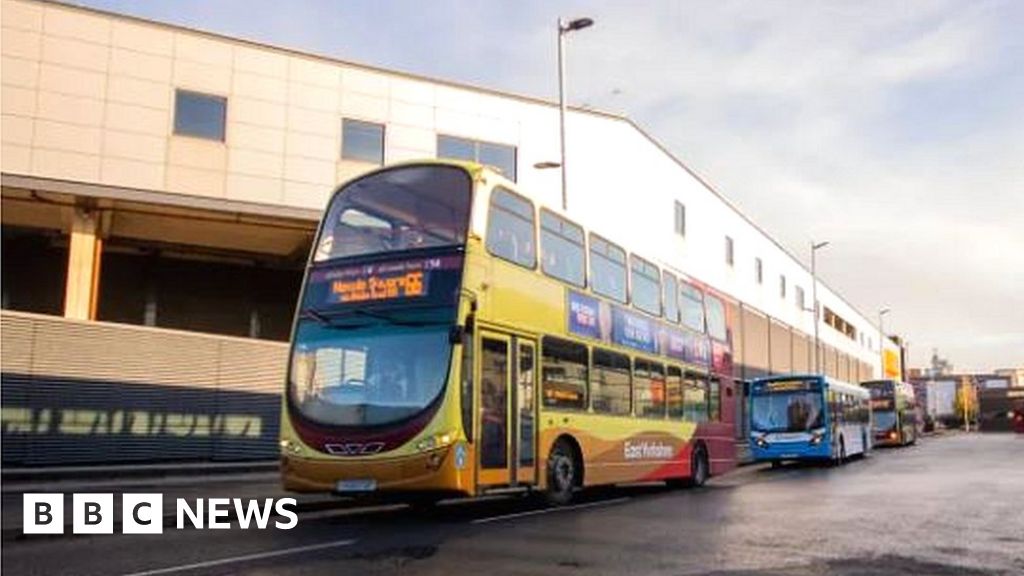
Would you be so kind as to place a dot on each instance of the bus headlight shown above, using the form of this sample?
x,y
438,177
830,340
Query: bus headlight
x,y
816,436
761,442
290,448
436,441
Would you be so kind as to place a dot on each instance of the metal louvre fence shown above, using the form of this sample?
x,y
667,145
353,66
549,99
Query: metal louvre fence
x,y
79,392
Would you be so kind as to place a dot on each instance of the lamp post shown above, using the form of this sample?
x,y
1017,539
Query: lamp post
x,y
814,297
564,27
881,339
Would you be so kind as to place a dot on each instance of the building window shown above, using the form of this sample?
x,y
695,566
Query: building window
x,y
729,254
498,156
800,303
759,270
362,141
782,285
200,115
680,226
840,324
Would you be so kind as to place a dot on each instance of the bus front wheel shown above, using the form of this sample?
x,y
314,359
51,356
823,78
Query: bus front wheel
x,y
563,473
840,457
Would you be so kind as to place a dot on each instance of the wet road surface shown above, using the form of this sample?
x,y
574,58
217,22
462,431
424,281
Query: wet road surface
x,y
951,505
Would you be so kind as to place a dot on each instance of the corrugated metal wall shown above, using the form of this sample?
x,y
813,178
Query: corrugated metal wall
x,y
79,392
802,362
781,345
755,344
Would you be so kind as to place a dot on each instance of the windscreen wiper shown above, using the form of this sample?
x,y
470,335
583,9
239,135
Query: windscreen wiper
x,y
328,321
396,322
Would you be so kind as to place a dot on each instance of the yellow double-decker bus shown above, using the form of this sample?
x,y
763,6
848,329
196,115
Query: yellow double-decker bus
x,y
455,338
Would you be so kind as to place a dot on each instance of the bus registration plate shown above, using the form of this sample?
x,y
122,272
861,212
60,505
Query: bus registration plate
x,y
356,485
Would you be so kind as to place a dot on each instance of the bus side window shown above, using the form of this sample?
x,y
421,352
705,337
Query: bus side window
x,y
607,269
646,282
692,307
670,294
674,393
610,383
510,228
695,397
714,400
564,374
716,318
561,247
466,398
649,389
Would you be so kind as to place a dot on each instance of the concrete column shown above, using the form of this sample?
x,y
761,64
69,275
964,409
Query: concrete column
x,y
84,252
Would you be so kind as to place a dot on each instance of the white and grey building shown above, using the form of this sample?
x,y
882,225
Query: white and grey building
x,y
161,186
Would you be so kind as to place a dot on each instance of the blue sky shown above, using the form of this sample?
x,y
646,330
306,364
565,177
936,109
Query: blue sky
x,y
893,129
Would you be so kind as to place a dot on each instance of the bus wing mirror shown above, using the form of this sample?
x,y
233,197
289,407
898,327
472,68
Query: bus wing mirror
x,y
456,334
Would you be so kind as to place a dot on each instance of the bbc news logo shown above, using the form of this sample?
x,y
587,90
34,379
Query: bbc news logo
x,y
143,513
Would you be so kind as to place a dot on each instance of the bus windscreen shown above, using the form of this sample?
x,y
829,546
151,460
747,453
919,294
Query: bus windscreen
x,y
787,411
367,373
406,208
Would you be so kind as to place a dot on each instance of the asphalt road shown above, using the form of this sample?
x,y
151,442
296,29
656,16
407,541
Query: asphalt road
x,y
951,505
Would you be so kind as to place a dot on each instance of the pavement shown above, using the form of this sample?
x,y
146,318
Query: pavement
x,y
950,505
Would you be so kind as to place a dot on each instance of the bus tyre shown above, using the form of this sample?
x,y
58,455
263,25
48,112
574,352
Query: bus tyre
x,y
842,453
563,473
700,470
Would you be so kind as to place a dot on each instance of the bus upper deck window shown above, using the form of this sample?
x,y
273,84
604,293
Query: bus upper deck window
x,y
607,268
510,228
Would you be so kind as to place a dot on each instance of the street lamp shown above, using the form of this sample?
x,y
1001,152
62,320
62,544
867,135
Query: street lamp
x,y
814,297
564,27
881,338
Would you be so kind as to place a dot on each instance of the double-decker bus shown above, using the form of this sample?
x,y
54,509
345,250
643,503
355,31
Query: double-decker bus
x,y
454,338
1001,409
894,412
808,417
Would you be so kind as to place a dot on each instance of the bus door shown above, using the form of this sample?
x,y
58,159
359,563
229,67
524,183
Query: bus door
x,y
507,410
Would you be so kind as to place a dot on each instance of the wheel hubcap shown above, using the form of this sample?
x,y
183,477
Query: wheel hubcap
x,y
563,472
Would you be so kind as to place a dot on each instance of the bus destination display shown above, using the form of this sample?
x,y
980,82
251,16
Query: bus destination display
x,y
788,386
383,282
379,287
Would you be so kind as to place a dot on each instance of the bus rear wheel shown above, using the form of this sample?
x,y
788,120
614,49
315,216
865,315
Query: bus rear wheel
x,y
563,473
700,469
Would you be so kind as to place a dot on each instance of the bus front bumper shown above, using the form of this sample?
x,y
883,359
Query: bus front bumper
x,y
779,451
433,471
887,439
